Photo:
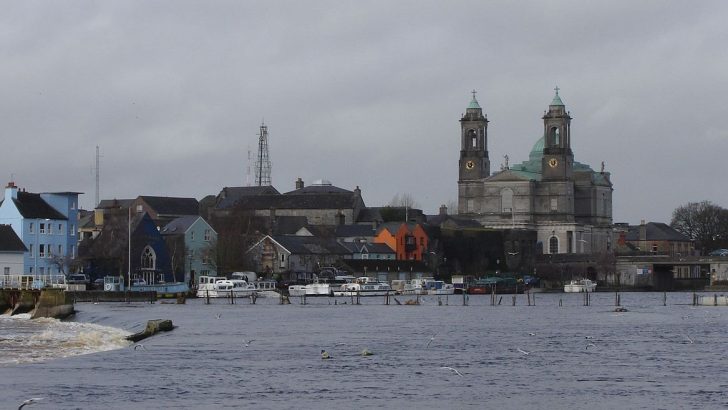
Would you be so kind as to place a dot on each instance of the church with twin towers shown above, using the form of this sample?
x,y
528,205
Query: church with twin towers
x,y
567,203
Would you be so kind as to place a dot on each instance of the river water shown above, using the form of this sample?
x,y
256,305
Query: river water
x,y
652,356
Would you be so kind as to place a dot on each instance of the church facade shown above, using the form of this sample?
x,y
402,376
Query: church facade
x,y
567,203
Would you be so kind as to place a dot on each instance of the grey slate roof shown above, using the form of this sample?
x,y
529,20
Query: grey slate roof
x,y
114,203
164,205
179,226
459,222
32,206
229,196
295,201
310,245
319,189
9,241
355,247
343,231
370,215
656,231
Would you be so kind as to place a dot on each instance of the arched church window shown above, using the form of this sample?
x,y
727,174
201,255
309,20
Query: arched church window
x,y
149,258
473,138
553,245
507,200
555,136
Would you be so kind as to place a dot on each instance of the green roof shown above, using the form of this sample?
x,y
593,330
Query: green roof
x,y
473,103
557,99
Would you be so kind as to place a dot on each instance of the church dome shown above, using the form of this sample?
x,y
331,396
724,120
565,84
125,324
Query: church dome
x,y
537,150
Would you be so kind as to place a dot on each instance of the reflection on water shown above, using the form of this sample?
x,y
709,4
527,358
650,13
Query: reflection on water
x,y
652,356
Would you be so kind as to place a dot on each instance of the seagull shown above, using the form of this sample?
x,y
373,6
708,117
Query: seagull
x,y
523,351
366,352
590,344
248,342
430,341
689,339
452,369
219,315
29,402
588,337
139,346
513,253
531,334
325,355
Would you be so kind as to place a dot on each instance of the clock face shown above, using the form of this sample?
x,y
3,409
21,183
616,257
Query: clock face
x,y
470,165
553,162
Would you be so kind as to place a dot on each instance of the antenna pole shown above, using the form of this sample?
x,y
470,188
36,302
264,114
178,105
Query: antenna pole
x,y
97,176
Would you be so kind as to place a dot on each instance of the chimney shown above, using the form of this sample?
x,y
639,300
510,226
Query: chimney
x,y
357,191
299,183
443,210
11,191
643,231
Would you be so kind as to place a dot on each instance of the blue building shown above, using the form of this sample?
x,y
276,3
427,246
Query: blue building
x,y
46,223
191,241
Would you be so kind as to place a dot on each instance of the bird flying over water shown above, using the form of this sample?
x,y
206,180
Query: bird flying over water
x,y
248,342
30,402
219,315
452,369
430,341
689,339
523,351
531,334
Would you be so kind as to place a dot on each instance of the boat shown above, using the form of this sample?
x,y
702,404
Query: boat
x,y
138,284
320,287
495,284
439,287
220,287
581,285
266,288
364,286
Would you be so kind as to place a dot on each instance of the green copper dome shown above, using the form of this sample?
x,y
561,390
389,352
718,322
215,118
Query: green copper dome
x,y
473,103
537,150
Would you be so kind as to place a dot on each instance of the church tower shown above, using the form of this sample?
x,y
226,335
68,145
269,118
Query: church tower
x,y
558,160
474,163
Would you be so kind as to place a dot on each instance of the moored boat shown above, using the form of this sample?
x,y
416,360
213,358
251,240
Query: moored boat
x,y
364,287
216,287
578,286
495,284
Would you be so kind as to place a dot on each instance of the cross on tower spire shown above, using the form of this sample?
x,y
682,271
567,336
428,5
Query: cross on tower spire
x,y
473,93
557,89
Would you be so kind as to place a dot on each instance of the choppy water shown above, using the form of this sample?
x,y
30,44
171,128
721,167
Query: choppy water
x,y
650,357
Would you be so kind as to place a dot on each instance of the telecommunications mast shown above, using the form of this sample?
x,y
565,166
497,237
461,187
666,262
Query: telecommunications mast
x,y
262,164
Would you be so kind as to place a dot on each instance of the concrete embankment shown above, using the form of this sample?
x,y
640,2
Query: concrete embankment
x,y
108,296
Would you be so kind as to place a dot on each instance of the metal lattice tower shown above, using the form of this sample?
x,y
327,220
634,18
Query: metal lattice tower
x,y
262,164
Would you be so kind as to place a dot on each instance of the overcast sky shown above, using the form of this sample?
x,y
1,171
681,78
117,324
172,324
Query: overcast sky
x,y
360,93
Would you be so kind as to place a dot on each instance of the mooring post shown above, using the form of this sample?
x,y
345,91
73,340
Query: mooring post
x,y
500,300
207,298
664,299
514,300
560,302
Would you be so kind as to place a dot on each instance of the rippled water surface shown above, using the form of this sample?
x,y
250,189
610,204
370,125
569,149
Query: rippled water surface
x,y
652,356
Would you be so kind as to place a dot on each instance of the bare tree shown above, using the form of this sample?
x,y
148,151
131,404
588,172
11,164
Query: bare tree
x,y
703,222
405,200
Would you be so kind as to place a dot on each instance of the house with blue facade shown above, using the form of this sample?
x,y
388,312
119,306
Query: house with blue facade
x,y
191,241
46,224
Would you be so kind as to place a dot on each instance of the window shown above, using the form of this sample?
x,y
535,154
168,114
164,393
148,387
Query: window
x,y
554,204
507,200
42,228
139,208
149,258
73,205
73,251
60,249
654,248
50,229
6,270
192,235
554,245
208,234
32,253
31,227
41,250
30,269
206,260
60,229
72,231
42,270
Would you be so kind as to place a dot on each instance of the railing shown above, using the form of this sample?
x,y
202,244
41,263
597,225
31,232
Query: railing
x,y
32,281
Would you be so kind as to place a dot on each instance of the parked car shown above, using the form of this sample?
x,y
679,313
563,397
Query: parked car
x,y
77,279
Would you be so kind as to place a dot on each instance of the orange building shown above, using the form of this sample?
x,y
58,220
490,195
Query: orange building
x,y
409,240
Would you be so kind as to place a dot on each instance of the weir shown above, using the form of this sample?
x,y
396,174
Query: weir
x,y
48,302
